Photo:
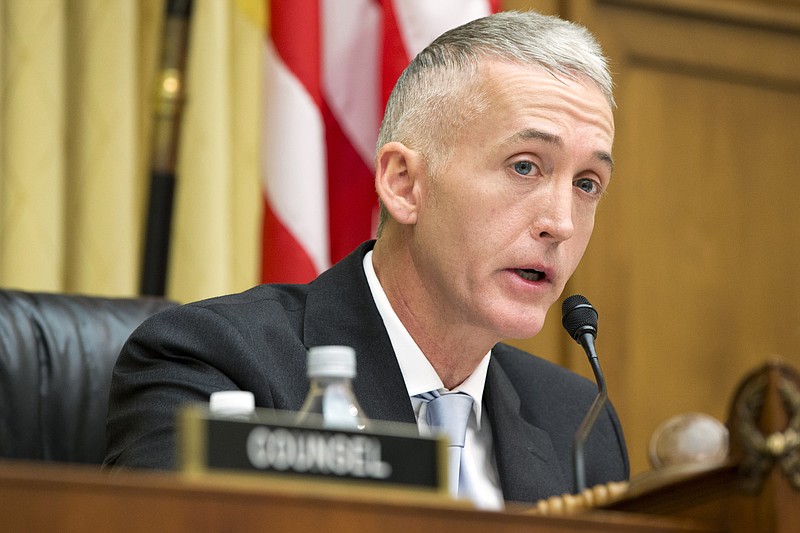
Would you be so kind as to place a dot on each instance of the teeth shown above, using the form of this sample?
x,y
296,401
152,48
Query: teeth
x,y
530,275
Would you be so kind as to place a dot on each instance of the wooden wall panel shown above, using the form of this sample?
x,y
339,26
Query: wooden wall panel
x,y
695,261
696,255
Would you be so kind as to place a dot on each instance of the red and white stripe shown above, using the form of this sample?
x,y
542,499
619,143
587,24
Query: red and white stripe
x,y
329,68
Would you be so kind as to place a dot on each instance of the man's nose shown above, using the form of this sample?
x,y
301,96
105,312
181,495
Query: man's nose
x,y
553,214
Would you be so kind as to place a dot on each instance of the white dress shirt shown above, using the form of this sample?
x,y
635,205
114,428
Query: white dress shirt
x,y
478,461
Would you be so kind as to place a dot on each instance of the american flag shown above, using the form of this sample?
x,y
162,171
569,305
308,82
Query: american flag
x,y
330,66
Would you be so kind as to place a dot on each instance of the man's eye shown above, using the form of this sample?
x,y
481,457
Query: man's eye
x,y
588,186
523,167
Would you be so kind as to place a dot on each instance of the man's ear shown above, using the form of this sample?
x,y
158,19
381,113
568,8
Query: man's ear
x,y
399,175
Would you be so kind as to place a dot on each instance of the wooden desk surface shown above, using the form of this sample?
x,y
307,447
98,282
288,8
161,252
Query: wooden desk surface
x,y
46,497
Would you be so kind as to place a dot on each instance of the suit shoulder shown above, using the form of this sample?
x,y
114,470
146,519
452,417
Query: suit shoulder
x,y
263,306
288,296
260,300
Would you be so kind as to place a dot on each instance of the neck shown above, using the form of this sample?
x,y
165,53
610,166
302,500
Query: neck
x,y
452,347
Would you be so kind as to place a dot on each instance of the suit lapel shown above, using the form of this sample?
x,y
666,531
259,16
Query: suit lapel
x,y
526,461
340,310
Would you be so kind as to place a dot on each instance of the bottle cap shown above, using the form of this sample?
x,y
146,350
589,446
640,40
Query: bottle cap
x,y
232,403
331,362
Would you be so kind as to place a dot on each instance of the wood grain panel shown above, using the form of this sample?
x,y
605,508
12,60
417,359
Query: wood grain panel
x,y
695,260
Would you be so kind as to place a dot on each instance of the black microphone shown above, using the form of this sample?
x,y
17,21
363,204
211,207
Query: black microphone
x,y
579,318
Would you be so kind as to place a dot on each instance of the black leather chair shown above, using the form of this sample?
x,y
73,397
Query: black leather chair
x,y
57,352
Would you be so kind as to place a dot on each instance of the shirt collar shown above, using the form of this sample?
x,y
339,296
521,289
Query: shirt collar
x,y
418,373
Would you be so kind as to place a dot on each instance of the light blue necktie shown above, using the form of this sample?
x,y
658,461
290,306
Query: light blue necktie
x,y
450,413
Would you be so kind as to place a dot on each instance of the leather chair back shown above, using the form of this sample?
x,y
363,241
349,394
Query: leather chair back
x,y
57,352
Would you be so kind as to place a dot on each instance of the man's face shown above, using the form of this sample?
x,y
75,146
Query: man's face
x,y
503,225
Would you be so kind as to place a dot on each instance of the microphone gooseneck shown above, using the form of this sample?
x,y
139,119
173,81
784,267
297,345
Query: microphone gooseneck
x,y
579,318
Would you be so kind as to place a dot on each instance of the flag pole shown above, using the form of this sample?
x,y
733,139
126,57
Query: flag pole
x,y
170,96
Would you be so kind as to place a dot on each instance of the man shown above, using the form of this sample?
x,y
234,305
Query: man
x,y
493,154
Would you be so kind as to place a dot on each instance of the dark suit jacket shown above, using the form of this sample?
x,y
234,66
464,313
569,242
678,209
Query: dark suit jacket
x,y
257,341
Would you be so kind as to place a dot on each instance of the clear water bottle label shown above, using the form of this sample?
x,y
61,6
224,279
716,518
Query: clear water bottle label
x,y
339,412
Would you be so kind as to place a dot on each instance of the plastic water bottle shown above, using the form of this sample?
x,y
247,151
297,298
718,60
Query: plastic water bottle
x,y
331,370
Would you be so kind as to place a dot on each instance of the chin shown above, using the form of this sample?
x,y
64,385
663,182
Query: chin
x,y
520,328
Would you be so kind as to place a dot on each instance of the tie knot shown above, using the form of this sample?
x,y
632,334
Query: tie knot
x,y
449,413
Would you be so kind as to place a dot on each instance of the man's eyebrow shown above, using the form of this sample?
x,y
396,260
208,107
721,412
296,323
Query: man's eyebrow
x,y
531,133
606,158
528,134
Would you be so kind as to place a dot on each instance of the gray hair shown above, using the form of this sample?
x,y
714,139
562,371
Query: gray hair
x,y
439,89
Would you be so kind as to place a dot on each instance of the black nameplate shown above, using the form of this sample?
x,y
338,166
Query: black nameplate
x,y
270,442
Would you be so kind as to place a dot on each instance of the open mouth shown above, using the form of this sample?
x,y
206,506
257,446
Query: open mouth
x,y
530,274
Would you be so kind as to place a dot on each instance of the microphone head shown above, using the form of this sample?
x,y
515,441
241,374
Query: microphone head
x,y
579,317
